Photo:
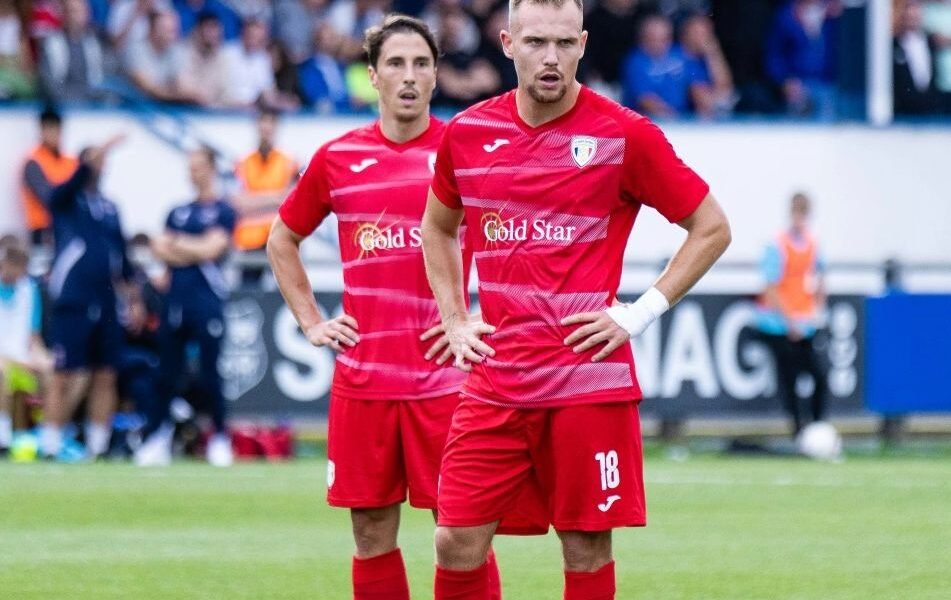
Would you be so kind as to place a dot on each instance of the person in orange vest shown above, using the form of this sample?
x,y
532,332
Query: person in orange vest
x,y
790,311
265,176
46,167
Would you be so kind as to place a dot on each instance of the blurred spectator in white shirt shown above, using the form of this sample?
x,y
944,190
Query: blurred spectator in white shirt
x,y
156,64
251,73
295,24
16,63
71,60
206,66
129,21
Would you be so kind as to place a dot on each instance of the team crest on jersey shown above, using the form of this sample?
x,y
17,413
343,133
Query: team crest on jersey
x,y
432,162
583,148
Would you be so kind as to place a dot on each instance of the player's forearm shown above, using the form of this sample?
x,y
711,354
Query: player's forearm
x,y
708,236
199,248
772,299
283,252
250,204
444,271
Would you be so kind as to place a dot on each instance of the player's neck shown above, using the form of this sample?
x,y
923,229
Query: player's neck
x,y
207,195
536,114
400,132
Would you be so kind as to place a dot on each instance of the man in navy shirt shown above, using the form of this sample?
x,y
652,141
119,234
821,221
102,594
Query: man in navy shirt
x,y
88,265
196,238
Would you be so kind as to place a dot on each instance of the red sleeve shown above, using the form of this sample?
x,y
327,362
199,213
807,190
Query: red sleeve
x,y
308,203
654,175
444,179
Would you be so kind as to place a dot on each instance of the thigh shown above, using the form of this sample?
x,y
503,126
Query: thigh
x,y
207,328
108,338
590,464
809,358
171,357
365,467
71,330
485,465
424,425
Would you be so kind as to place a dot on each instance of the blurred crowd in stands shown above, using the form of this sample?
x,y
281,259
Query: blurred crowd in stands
x,y
666,58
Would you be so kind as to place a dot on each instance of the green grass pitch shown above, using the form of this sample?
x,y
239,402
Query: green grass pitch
x,y
719,528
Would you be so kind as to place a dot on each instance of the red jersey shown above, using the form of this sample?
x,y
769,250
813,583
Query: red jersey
x,y
378,189
550,210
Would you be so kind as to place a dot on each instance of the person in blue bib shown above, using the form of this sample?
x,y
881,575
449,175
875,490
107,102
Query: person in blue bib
x,y
196,239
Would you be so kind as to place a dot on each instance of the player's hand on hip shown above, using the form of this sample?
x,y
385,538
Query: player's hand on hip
x,y
441,347
338,333
464,336
596,328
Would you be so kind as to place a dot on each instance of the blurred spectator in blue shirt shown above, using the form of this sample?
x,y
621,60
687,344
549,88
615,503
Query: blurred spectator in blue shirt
x,y
323,82
351,18
191,11
657,77
705,63
801,56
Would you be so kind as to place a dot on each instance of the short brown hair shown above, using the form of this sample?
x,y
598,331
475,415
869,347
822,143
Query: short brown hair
x,y
396,23
513,4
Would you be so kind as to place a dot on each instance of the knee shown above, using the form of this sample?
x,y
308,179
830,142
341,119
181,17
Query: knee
x,y
461,548
375,530
586,551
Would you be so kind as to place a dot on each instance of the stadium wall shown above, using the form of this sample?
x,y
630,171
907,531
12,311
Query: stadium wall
x,y
700,359
878,193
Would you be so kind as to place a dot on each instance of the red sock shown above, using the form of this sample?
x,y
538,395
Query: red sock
x,y
462,585
380,578
495,578
590,586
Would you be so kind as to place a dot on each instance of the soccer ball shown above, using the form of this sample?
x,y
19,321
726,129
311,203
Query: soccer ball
x,y
820,441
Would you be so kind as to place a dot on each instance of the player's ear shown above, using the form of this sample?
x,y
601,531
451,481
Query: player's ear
x,y
584,41
506,38
373,77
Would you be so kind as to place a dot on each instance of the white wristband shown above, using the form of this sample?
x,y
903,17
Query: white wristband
x,y
637,317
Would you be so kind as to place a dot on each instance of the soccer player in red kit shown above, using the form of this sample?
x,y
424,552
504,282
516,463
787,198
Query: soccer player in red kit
x,y
391,405
550,178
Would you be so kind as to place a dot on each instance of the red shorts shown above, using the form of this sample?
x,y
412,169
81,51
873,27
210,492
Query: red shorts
x,y
585,461
380,449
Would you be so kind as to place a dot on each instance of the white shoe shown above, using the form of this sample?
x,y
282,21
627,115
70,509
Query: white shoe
x,y
219,452
156,450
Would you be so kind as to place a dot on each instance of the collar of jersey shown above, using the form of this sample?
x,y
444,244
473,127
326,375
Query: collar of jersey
x,y
408,144
517,119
